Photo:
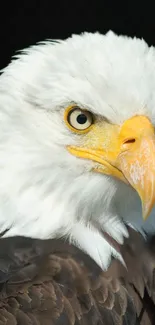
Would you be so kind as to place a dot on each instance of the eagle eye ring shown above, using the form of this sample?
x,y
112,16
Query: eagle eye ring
x,y
78,120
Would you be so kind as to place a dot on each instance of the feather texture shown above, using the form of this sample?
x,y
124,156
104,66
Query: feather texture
x,y
52,282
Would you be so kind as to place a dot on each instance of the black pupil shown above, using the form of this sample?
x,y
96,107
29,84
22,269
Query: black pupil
x,y
81,118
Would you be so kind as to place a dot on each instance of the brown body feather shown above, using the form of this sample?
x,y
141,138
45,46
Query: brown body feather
x,y
53,283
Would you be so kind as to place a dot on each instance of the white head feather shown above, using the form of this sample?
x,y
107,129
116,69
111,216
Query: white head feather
x,y
46,192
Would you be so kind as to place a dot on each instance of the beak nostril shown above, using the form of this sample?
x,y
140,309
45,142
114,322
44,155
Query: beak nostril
x,y
128,141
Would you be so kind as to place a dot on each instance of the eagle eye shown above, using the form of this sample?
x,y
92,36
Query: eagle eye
x,y
78,119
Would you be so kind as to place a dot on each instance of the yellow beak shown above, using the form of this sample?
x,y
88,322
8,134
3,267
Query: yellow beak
x,y
126,152
137,160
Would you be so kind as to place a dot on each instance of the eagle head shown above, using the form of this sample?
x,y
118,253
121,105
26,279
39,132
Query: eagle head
x,y
77,141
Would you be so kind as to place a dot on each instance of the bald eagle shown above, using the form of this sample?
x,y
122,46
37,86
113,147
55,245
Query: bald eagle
x,y
77,174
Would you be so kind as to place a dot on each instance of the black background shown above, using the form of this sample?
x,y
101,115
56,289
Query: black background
x,y
23,23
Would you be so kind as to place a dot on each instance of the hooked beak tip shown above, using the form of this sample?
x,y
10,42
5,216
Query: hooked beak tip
x,y
146,209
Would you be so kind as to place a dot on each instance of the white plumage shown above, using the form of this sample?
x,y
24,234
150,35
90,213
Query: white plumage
x,y
45,191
